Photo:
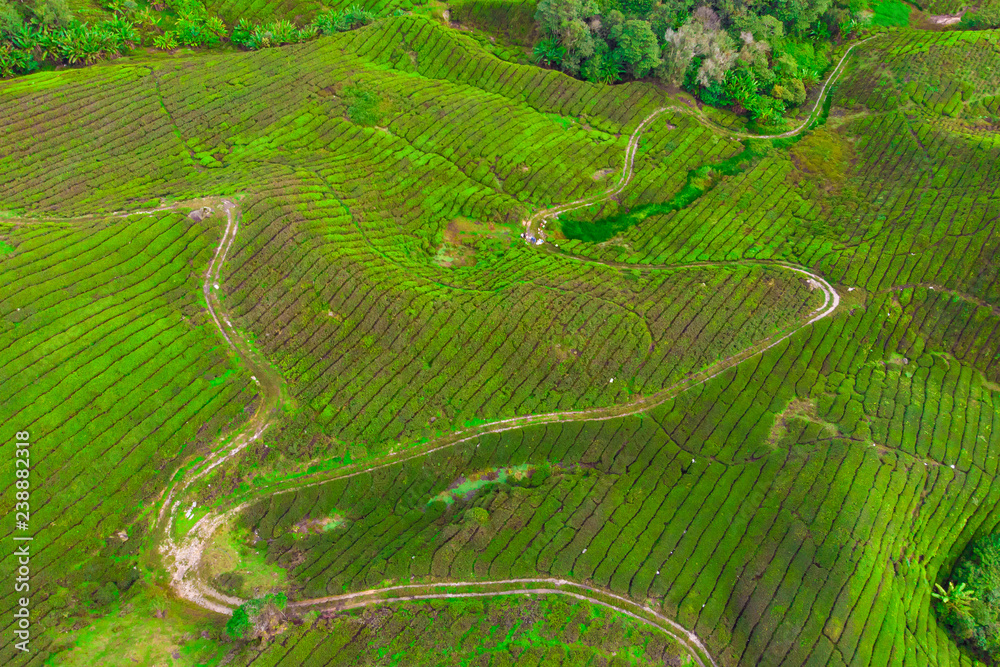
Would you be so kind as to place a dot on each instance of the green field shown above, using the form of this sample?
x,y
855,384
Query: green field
x,y
741,407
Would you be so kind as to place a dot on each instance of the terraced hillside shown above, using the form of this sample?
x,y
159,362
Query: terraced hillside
x,y
754,429
524,632
111,364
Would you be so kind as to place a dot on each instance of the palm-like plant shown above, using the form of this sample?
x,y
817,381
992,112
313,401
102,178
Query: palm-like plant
x,y
955,598
49,46
356,16
123,33
329,22
741,84
69,43
283,32
819,31
8,61
308,32
215,26
610,70
116,7
24,36
94,50
241,32
146,18
167,41
549,52
259,39
15,61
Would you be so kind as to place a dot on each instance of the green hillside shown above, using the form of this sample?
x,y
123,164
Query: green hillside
x,y
739,406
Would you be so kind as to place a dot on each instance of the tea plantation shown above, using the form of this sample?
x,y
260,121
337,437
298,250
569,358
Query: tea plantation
x,y
393,347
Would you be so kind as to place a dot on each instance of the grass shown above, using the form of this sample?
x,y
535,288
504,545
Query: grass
x,y
148,630
891,13
235,565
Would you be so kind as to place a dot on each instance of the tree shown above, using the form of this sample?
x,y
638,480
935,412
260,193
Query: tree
x,y
52,13
720,55
701,36
680,48
792,91
603,66
671,12
568,22
798,15
754,52
552,14
637,47
698,48
579,44
10,18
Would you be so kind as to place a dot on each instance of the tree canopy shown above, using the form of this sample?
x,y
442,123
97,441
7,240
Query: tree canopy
x,y
757,57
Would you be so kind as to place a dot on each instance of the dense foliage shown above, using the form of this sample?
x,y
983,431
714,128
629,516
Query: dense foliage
x,y
756,58
46,32
280,32
194,27
970,605
982,18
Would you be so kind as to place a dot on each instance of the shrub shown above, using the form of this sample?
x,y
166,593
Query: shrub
x,y
15,61
259,617
982,19
167,41
330,22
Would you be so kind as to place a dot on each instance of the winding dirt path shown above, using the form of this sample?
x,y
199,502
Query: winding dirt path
x,y
534,586
533,225
182,556
816,110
